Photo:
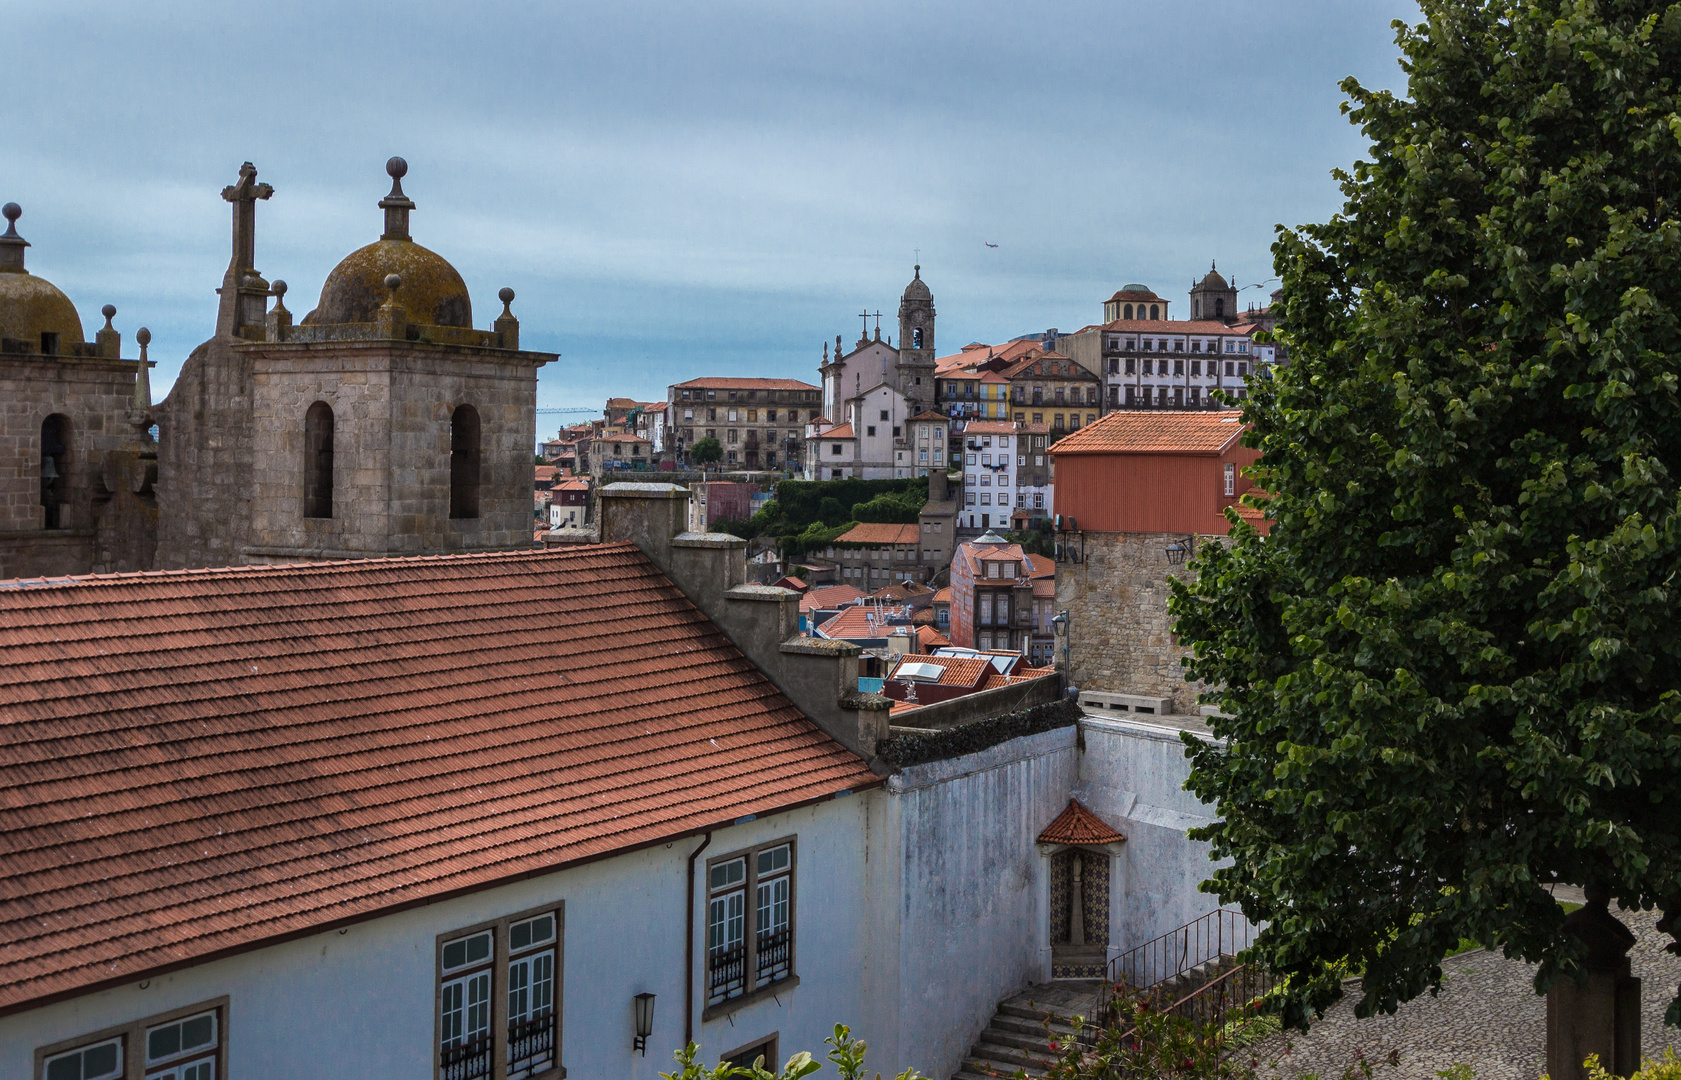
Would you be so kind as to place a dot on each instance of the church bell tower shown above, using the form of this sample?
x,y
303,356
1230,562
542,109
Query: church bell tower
x,y
916,343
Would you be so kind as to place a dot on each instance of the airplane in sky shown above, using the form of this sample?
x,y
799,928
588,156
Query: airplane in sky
x,y
989,243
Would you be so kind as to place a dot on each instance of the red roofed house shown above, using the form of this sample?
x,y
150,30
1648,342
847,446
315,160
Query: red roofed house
x,y
569,504
1139,492
991,597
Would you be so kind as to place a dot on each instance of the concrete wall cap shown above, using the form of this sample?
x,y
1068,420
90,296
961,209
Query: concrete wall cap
x,y
820,647
645,491
755,591
707,540
866,702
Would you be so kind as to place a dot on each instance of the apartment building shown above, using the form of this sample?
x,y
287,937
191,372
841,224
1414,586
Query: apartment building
x,y
760,423
1007,475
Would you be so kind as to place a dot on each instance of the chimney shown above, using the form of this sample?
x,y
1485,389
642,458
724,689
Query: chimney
x,y
819,676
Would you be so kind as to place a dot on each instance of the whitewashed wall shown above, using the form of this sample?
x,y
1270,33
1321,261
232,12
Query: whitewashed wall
x,y
361,1003
969,926
1132,775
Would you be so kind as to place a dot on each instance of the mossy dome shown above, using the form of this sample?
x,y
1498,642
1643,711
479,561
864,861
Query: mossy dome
x,y
431,291
32,307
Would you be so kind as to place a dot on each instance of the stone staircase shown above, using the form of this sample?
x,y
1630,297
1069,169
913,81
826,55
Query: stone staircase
x,y
1017,1037
1173,989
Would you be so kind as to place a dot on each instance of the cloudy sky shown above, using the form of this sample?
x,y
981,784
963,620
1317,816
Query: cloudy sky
x,y
677,190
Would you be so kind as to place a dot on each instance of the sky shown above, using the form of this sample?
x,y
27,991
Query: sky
x,y
684,190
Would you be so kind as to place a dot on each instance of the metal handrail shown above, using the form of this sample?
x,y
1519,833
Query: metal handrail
x,y
1220,933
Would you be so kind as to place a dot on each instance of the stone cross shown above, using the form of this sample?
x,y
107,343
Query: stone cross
x,y
244,196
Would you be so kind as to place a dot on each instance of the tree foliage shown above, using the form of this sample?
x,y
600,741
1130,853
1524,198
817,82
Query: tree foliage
x,y
707,451
1452,670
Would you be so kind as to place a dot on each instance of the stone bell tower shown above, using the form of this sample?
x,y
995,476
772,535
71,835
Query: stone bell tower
x,y
916,343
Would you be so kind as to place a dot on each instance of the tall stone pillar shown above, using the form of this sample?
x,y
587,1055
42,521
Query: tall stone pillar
x,y
1599,1013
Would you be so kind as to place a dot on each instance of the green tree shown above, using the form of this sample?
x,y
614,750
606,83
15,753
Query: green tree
x,y
1451,672
706,451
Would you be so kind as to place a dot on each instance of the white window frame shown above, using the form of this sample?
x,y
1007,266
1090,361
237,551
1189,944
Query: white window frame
x,y
736,909
130,1039
492,974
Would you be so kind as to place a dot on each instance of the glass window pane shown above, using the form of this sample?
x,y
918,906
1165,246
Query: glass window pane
x,y
198,1031
467,951
730,873
773,860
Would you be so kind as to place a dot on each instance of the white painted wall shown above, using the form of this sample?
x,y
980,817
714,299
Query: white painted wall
x,y
1132,775
361,1003
970,926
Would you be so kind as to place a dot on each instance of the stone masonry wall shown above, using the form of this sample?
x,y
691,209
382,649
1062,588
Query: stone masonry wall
x,y
1120,638
204,460
94,395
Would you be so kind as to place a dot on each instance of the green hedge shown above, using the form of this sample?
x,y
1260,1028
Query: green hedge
x,y
902,751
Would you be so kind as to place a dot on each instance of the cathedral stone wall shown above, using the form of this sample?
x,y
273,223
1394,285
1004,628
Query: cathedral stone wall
x,y
204,460
94,396
392,407
1121,639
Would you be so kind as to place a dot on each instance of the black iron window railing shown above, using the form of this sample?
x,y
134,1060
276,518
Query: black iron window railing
x,y
775,954
727,974
469,1060
531,1046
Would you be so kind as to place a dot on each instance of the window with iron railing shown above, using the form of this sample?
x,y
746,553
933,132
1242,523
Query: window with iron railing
x,y
497,998
739,963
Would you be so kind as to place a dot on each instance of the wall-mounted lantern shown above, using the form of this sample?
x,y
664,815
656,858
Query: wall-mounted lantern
x,y
1181,549
644,1022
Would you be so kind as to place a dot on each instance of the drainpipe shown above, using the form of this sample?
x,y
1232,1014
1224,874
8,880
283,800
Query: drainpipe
x,y
689,954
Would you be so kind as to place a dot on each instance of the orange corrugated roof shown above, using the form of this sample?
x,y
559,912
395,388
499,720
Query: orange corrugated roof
x,y
871,533
203,762
1077,825
842,431
1138,431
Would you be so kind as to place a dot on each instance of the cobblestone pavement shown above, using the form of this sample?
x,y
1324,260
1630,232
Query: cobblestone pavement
x,y
1487,1016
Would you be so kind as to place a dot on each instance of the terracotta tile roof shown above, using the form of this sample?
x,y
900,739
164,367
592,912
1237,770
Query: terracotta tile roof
x,y
902,591
870,533
792,583
747,384
622,437
1044,588
1038,566
830,597
1134,294
546,472
855,623
930,638
958,670
943,596
1077,825
929,414
572,485
840,431
991,427
203,762
1138,431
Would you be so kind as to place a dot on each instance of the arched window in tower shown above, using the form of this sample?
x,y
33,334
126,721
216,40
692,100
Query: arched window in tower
x,y
318,461
464,462
55,463
916,338
1219,308
1155,312
1129,311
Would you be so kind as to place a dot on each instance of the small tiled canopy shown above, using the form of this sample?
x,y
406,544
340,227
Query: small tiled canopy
x,y
1077,825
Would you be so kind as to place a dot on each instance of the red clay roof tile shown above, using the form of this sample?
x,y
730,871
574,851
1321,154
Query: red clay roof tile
x,y
1077,825
1138,431
201,762
870,533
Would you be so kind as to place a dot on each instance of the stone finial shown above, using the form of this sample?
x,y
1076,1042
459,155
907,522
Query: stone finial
x,y
391,320
396,205
143,378
825,352
11,244
107,342
507,327
278,321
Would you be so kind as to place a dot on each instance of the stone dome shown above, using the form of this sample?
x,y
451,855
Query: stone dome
x,y
1213,280
918,289
432,291
31,306
1134,287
